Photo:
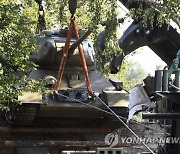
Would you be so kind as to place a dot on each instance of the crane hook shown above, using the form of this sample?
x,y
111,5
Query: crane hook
x,y
72,6
39,2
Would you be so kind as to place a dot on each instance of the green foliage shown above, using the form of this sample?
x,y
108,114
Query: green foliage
x,y
88,14
131,74
157,12
15,48
18,23
111,43
91,14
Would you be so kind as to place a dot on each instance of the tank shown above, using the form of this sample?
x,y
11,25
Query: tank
x,y
72,100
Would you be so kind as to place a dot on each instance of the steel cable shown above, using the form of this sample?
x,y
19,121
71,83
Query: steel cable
x,y
111,112
133,121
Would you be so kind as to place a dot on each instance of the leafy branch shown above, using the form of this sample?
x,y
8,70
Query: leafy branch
x,y
164,10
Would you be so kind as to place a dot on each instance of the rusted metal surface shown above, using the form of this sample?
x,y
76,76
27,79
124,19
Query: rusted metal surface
x,y
66,134
53,130
75,134
55,143
44,137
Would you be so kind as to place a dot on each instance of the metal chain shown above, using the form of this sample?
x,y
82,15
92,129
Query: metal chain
x,y
41,24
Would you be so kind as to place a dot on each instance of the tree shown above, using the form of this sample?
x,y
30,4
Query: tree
x,y
91,14
18,24
159,11
136,73
131,74
15,48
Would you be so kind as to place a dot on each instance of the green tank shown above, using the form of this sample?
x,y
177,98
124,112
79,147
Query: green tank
x,y
72,100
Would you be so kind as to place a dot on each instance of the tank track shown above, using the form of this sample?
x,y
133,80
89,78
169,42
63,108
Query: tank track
x,y
22,115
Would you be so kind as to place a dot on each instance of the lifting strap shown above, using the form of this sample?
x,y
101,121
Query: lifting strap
x,y
73,27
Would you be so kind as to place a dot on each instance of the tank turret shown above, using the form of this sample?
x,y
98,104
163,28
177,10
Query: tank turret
x,y
50,50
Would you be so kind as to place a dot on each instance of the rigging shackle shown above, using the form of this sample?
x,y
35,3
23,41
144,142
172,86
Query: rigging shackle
x,y
39,2
72,6
41,8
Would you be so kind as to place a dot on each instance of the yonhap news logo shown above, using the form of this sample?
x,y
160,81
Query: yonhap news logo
x,y
113,139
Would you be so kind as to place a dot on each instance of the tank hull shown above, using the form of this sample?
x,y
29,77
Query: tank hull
x,y
72,98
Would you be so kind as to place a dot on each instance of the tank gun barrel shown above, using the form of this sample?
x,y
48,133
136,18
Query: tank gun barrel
x,y
80,40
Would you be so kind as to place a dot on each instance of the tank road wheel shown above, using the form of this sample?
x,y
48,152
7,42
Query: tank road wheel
x,y
22,114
